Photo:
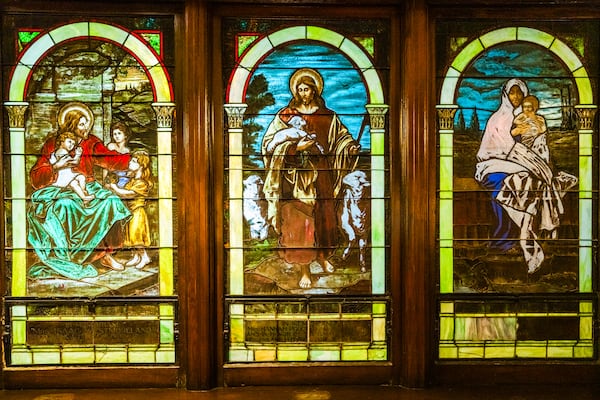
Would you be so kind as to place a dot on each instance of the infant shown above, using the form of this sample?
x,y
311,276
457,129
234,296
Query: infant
x,y
295,133
529,125
65,175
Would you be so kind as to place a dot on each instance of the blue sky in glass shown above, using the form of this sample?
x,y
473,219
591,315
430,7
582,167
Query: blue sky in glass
x,y
344,91
543,73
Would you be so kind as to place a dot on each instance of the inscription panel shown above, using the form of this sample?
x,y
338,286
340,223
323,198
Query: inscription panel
x,y
92,332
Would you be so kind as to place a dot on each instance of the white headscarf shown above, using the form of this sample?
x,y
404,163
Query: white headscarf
x,y
497,140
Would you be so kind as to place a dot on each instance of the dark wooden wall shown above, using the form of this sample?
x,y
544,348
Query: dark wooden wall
x,y
413,200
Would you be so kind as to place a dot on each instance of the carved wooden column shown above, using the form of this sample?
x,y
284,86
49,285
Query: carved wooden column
x,y
416,160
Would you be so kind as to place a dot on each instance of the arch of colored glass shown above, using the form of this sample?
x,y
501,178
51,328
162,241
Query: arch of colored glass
x,y
235,107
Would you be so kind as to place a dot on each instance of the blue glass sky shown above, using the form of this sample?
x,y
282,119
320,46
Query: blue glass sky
x,y
344,91
544,75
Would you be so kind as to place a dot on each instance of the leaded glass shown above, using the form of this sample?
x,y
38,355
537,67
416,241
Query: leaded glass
x,y
516,190
89,203
306,190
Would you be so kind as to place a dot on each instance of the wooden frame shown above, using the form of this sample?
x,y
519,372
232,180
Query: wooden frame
x,y
108,376
198,87
513,371
275,374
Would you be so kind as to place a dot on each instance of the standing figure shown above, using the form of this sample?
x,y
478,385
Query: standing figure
x,y
65,176
304,176
137,230
120,134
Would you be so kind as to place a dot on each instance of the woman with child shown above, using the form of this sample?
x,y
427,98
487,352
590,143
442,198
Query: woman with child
x,y
513,162
67,233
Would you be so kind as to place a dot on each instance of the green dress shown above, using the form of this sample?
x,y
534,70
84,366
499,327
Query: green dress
x,y
64,231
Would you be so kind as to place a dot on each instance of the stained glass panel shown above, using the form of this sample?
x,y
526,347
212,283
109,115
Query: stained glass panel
x,y
516,190
89,199
307,191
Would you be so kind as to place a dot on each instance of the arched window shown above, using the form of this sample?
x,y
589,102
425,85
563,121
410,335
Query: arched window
x,y
306,194
516,177
89,194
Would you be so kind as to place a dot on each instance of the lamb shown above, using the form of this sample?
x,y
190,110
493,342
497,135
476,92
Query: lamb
x,y
294,134
255,208
354,214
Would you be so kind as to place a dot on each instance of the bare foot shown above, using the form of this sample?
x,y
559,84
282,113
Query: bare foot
x,y
144,260
133,261
305,282
327,266
111,263
87,198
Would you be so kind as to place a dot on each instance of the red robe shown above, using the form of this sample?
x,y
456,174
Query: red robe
x,y
94,153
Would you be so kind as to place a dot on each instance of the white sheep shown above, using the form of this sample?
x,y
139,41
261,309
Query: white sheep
x,y
294,133
255,208
354,214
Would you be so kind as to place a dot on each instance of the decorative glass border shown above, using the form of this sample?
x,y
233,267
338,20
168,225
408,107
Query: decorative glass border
x,y
240,349
450,322
22,353
164,107
306,349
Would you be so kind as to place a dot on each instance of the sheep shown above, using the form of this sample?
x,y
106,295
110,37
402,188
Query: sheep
x,y
293,134
354,214
255,207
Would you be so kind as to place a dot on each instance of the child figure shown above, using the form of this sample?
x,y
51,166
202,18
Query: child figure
x,y
120,134
62,161
137,231
528,125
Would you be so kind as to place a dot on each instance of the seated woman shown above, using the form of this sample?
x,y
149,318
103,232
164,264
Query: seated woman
x,y
66,234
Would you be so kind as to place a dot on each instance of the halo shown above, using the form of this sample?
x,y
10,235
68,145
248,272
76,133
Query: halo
x,y
306,72
83,108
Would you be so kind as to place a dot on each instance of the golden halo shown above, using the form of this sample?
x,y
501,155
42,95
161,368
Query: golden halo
x,y
306,72
84,109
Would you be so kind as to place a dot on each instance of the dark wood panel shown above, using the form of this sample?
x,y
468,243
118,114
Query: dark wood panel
x,y
417,218
511,373
116,7
91,377
308,374
197,281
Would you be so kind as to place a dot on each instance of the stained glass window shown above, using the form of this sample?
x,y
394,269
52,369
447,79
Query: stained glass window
x,y
88,196
517,185
307,190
